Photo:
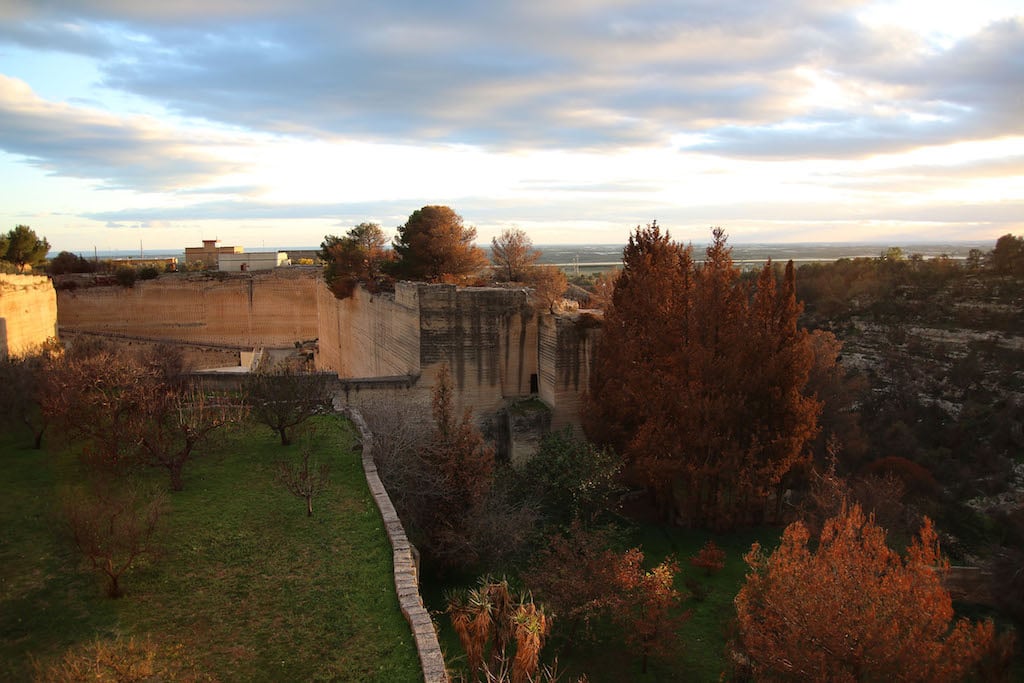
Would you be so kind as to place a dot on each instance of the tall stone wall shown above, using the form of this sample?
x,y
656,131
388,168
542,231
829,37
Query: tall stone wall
x,y
273,309
28,313
486,335
565,351
369,335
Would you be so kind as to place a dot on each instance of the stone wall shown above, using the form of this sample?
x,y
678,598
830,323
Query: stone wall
x,y
407,584
28,313
565,354
486,335
369,335
497,348
273,309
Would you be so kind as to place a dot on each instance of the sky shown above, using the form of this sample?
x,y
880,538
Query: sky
x,y
270,123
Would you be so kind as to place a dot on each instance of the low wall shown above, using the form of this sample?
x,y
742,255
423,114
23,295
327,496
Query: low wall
x,y
28,313
406,578
197,356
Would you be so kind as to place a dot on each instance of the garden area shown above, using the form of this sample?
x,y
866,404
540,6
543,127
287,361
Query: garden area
x,y
241,583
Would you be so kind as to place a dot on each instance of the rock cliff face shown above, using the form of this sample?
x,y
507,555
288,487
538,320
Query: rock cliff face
x,y
28,313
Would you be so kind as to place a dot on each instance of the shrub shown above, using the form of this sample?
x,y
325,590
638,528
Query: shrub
x,y
149,273
710,558
125,276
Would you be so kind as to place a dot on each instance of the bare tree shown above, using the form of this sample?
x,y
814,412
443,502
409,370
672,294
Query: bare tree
x,y
513,254
21,401
113,526
179,422
304,479
99,397
283,397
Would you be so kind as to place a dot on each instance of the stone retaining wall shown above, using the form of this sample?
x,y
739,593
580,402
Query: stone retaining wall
x,y
406,580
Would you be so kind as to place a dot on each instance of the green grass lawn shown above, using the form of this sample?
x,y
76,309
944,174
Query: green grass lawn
x,y
702,638
247,588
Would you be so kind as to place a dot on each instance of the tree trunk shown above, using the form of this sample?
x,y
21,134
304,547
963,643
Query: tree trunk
x,y
113,586
309,506
283,431
177,482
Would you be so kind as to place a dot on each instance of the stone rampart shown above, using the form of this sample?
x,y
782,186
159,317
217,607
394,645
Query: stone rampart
x,y
28,313
497,348
273,309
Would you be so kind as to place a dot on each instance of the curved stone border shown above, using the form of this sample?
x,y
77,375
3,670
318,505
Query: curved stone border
x,y
406,581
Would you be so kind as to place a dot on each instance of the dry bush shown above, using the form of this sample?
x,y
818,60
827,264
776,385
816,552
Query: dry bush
x,y
120,660
710,558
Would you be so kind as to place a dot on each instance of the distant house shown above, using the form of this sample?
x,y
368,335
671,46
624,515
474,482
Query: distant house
x,y
265,260
209,253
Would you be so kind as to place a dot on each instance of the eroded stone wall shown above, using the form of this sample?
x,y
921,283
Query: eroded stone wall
x,y
566,349
273,309
486,336
28,313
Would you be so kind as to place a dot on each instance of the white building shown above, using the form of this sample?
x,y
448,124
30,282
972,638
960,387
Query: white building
x,y
265,260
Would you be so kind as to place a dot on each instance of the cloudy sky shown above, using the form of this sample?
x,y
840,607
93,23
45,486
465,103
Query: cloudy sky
x,y
273,123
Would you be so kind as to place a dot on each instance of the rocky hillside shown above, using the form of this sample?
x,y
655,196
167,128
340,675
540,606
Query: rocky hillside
x,y
935,355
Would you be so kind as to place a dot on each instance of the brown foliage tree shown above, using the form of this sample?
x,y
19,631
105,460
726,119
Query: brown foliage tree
x,y
356,257
548,284
646,605
113,526
464,466
513,254
710,558
602,289
699,380
854,610
575,576
433,244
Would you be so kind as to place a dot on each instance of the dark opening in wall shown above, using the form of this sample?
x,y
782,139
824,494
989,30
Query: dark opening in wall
x,y
534,384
